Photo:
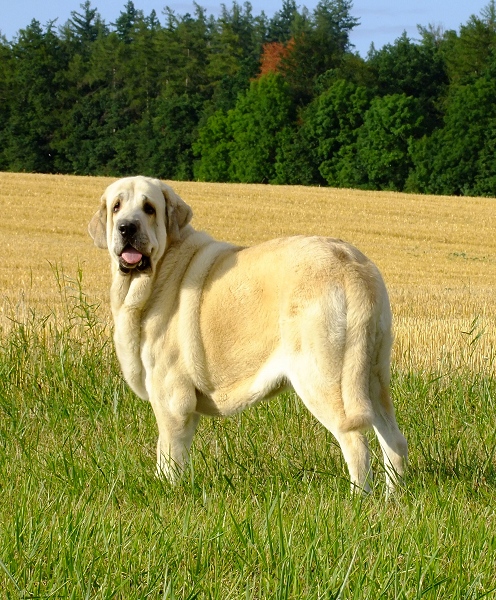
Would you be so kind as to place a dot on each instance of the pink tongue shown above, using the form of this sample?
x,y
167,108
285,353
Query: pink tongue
x,y
132,256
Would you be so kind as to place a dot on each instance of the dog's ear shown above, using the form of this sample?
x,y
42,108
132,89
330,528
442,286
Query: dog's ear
x,y
97,227
178,213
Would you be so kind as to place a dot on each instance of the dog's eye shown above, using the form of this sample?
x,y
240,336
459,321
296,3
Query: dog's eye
x,y
148,208
117,206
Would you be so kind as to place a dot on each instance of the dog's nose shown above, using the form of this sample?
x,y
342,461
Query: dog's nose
x,y
127,228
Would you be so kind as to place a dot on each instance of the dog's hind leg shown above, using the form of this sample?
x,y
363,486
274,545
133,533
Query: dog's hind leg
x,y
355,449
393,443
394,449
326,404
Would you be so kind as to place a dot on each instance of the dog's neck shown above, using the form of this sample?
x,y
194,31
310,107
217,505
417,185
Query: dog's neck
x,y
129,294
131,290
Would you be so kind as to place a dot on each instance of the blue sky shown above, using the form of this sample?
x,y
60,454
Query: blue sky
x,y
382,21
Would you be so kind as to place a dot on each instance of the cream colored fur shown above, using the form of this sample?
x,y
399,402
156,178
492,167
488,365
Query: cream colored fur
x,y
211,328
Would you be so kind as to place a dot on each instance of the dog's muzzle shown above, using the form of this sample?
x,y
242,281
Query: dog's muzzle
x,y
131,257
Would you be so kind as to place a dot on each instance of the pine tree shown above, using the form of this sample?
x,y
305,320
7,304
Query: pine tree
x,y
33,107
319,44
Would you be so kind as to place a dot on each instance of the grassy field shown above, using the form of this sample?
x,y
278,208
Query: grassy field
x,y
264,512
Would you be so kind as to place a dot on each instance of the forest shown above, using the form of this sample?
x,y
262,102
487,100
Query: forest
x,y
240,97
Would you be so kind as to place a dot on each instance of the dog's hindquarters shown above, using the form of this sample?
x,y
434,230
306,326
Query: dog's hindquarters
x,y
346,385
373,383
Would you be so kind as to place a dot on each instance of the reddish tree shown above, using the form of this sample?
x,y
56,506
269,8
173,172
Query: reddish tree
x,y
272,55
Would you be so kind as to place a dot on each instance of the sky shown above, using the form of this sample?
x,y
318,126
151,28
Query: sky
x,y
381,21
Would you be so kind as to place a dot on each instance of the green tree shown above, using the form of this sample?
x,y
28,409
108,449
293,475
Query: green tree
x,y
391,125
281,25
224,59
469,53
417,70
257,122
213,148
484,183
296,162
333,122
455,159
127,23
92,102
319,43
33,111
187,48
6,97
175,130
112,86
237,38
85,27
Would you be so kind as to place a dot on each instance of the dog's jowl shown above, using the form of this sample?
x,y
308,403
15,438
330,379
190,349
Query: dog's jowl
x,y
208,328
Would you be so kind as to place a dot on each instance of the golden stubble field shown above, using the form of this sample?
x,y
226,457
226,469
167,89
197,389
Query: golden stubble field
x,y
437,254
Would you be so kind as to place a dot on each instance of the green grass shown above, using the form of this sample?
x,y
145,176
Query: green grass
x,y
264,511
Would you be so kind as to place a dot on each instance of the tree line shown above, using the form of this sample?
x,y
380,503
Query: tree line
x,y
245,98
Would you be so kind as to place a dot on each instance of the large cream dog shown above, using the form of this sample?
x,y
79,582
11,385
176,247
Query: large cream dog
x,y
207,328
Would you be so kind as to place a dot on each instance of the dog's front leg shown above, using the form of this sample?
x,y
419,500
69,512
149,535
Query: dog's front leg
x,y
176,428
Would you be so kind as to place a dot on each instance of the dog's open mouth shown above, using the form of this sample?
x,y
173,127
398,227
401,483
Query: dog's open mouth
x,y
131,258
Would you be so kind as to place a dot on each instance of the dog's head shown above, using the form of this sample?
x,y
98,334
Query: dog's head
x,y
137,220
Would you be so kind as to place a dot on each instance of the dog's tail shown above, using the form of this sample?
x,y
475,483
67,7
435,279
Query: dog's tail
x,y
368,343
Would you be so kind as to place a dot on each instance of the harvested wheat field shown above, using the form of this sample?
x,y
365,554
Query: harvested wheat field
x,y
437,254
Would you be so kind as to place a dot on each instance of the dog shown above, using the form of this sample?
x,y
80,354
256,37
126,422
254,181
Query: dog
x,y
204,327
